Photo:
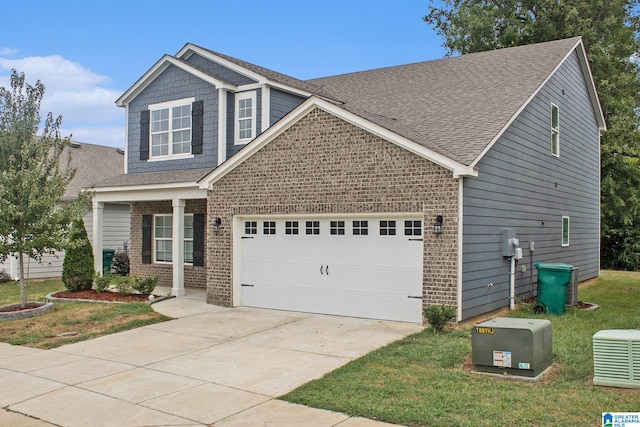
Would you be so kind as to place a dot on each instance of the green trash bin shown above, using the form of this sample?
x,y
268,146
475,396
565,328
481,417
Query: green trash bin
x,y
107,258
553,280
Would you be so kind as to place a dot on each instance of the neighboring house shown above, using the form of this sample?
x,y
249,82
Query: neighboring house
x,y
326,195
93,163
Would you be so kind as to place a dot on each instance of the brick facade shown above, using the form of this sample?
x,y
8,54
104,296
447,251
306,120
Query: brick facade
x,y
323,164
194,277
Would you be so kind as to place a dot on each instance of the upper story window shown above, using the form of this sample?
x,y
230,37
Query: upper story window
x,y
565,231
170,128
245,117
555,130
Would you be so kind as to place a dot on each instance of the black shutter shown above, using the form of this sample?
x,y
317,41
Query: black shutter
x,y
198,240
197,124
147,224
144,134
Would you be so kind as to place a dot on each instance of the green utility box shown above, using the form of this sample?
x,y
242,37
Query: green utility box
x,y
512,346
553,280
107,258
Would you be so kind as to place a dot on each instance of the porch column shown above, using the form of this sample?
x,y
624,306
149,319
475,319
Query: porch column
x,y
178,247
98,208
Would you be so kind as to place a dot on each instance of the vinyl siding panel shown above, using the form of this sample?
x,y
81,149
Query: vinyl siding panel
x,y
220,71
173,84
523,187
115,234
282,103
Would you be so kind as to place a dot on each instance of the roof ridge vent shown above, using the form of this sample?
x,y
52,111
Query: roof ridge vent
x,y
75,144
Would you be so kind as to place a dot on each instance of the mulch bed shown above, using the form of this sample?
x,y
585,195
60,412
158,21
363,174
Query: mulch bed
x,y
12,308
100,296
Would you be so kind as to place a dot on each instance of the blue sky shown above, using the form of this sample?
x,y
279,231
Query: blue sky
x,y
87,54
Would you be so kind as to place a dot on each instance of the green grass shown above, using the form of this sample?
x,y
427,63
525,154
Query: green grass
x,y
70,321
425,379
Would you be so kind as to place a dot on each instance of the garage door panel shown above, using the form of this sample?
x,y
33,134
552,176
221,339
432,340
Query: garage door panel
x,y
372,275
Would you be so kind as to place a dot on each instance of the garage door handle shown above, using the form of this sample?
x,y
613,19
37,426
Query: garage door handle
x,y
247,286
322,269
247,237
416,240
327,270
411,296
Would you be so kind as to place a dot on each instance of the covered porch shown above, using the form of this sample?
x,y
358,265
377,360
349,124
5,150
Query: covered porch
x,y
168,226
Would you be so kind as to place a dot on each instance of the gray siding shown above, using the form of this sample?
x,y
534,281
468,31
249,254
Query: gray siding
x,y
523,187
223,73
282,103
171,85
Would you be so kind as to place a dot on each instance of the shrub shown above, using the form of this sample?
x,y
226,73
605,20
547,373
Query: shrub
x,y
101,283
120,263
438,316
145,286
4,277
77,268
123,284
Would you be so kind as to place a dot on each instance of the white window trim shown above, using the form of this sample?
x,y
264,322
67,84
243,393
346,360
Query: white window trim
x,y
169,105
555,131
568,231
154,239
253,95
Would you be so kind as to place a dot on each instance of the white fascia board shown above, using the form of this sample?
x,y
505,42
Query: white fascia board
x,y
158,68
224,62
259,78
315,102
149,193
579,48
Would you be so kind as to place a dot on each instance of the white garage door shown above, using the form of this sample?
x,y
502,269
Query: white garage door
x,y
369,267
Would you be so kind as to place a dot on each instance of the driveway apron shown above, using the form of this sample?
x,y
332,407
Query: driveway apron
x,y
211,365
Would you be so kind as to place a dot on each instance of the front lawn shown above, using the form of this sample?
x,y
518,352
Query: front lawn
x,y
70,321
425,379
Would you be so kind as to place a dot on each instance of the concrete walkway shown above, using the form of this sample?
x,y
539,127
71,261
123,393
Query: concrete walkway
x,y
212,365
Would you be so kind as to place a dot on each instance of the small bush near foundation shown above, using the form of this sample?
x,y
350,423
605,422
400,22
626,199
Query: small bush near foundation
x,y
4,277
145,286
101,283
123,284
438,316
120,264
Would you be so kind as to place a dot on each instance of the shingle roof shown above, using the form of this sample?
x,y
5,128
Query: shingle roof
x,y
307,86
151,178
93,163
454,106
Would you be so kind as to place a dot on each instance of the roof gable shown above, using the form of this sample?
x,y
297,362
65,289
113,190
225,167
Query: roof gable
x,y
351,117
457,107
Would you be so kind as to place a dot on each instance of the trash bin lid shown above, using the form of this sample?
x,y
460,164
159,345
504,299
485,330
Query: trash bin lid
x,y
553,267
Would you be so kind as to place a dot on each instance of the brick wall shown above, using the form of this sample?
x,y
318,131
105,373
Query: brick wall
x,y
323,164
194,277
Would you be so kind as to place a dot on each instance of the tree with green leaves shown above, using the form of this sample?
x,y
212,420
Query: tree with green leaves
x,y
609,29
33,221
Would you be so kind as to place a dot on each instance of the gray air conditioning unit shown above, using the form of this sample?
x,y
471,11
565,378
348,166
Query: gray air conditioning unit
x,y
616,358
521,347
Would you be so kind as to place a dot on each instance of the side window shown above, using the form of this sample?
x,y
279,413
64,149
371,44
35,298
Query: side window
x,y
555,130
565,231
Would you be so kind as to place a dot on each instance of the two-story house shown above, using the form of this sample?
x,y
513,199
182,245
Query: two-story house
x,y
371,194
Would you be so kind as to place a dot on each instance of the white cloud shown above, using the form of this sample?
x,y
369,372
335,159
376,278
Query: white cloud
x,y
82,97
6,51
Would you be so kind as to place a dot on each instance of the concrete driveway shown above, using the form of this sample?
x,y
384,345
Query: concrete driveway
x,y
212,365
